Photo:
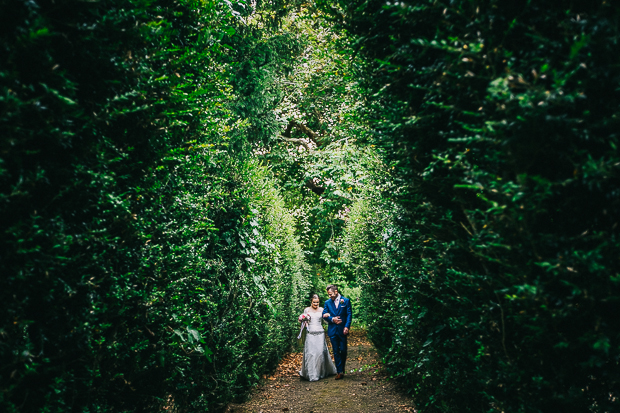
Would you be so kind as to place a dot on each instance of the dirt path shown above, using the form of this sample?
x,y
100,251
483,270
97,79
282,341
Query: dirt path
x,y
364,390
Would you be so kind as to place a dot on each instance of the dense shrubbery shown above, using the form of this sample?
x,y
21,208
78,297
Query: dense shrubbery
x,y
494,286
145,258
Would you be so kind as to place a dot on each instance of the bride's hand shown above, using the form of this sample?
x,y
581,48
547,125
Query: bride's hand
x,y
325,315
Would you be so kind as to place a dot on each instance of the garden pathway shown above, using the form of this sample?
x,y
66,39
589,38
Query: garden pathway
x,y
364,389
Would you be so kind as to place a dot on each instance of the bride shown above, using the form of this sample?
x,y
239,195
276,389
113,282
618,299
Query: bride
x,y
317,363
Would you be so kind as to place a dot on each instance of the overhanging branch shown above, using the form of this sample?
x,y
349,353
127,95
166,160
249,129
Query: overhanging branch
x,y
314,187
298,141
286,136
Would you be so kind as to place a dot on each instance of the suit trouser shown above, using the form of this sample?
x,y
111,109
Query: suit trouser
x,y
339,346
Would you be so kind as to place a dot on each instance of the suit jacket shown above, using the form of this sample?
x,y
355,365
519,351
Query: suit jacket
x,y
343,311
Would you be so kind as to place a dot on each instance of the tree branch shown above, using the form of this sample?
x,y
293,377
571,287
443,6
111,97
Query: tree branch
x,y
314,187
309,133
298,141
286,136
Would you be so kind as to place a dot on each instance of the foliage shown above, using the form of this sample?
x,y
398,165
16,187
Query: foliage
x,y
167,168
367,252
501,121
146,259
319,166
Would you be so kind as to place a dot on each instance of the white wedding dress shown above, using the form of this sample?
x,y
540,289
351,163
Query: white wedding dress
x,y
317,363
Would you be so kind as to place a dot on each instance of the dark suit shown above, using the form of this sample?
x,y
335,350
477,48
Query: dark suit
x,y
336,331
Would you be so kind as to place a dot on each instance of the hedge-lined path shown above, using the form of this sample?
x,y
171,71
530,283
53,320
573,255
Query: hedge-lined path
x,y
368,390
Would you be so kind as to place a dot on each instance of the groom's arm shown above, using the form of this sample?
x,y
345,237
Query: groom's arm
x,y
329,319
349,315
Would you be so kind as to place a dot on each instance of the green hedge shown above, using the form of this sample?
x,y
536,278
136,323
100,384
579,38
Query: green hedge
x,y
145,258
495,285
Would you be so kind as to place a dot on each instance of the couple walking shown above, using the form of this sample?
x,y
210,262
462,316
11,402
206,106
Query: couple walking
x,y
317,363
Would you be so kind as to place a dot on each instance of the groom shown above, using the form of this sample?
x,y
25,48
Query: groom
x,y
337,312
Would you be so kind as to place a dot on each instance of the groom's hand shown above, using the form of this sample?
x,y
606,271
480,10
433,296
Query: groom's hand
x,y
337,320
345,331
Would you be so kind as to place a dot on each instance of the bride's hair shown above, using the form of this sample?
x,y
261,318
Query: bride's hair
x,y
313,297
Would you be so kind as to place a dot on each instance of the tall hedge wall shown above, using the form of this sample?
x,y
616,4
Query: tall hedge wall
x,y
145,258
495,285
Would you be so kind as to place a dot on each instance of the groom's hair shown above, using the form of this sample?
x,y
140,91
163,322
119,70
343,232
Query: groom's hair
x,y
331,287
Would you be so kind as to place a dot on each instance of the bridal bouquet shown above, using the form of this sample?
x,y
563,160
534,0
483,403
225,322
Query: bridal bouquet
x,y
304,319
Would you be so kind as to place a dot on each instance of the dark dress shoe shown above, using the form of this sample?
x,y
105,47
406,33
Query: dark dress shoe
x,y
339,376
